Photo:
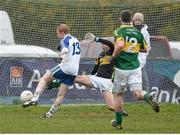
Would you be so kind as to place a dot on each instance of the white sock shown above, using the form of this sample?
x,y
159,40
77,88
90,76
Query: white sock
x,y
53,109
36,96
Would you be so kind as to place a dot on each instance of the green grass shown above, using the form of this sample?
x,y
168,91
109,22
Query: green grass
x,y
89,119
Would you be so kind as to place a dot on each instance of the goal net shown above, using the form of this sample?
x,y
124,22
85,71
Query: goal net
x,y
34,24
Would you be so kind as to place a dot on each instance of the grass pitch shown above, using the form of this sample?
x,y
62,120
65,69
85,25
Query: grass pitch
x,y
89,119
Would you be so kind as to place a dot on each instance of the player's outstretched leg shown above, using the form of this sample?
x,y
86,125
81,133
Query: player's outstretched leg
x,y
153,103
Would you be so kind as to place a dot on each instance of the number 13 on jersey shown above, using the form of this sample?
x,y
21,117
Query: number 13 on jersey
x,y
76,48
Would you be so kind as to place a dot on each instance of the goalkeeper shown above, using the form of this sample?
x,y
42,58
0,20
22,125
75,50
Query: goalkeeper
x,y
100,76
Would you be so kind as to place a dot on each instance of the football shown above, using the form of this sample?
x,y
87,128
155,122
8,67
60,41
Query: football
x,y
26,96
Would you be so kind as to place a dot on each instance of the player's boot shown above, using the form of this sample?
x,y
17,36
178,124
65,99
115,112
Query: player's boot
x,y
54,84
29,103
154,104
48,115
114,124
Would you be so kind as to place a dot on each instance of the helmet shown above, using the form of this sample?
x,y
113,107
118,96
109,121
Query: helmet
x,y
138,16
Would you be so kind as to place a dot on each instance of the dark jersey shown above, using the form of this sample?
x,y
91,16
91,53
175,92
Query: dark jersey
x,y
103,68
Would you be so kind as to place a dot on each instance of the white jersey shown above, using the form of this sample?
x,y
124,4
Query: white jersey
x,y
70,62
142,56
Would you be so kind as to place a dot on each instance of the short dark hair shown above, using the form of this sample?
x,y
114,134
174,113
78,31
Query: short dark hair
x,y
126,16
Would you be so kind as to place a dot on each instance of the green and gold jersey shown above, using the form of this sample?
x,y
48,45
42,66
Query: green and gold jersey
x,y
133,42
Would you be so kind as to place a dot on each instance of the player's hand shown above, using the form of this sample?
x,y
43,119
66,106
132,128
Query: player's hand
x,y
89,37
59,48
112,60
59,60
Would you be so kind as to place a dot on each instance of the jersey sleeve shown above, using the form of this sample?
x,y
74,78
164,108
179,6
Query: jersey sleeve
x,y
65,42
147,38
118,37
143,46
108,43
95,68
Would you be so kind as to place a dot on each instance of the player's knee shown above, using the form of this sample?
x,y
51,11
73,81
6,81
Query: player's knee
x,y
137,94
78,79
118,108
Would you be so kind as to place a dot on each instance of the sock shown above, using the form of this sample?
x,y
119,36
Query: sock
x,y
118,117
36,96
146,97
53,109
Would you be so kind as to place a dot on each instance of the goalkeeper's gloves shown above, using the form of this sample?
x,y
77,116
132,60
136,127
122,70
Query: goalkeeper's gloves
x,y
89,37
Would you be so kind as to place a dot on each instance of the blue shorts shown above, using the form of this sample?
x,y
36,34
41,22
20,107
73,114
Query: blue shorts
x,y
57,73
